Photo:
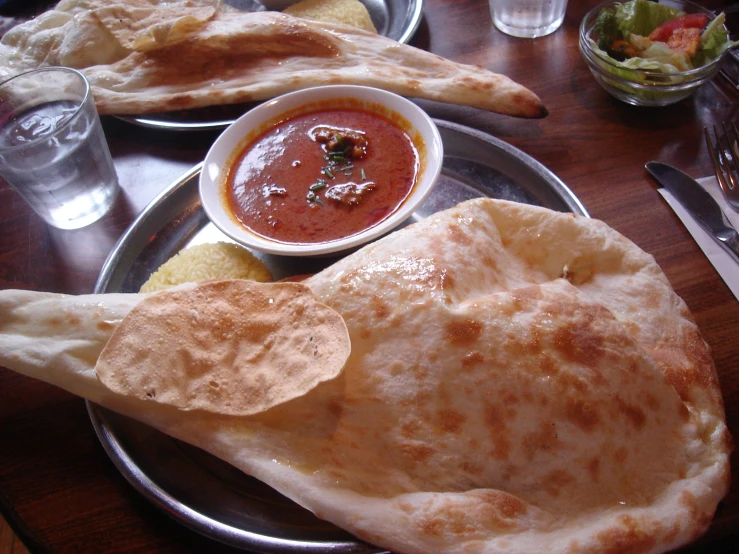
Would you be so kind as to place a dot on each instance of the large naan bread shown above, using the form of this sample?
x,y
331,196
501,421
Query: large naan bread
x,y
191,55
520,381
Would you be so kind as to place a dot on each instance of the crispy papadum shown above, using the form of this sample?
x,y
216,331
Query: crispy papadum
x,y
232,347
521,380
138,65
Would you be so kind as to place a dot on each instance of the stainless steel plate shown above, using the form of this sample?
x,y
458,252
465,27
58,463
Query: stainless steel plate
x,y
395,19
203,492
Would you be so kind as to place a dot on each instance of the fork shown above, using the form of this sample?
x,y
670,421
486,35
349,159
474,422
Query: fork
x,y
725,158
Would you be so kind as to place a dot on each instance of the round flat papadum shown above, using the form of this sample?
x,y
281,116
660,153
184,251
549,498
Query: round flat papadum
x,y
231,347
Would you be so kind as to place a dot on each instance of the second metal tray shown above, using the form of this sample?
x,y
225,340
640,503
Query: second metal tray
x,y
203,492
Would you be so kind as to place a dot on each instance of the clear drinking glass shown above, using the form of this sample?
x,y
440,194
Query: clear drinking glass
x,y
528,18
52,147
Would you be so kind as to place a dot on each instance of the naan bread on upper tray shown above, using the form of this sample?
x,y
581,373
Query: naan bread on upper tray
x,y
520,381
192,55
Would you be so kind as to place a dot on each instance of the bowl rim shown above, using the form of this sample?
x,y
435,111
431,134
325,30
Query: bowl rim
x,y
587,50
232,138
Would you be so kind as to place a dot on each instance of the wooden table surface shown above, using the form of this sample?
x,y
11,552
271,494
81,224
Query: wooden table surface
x,y
59,490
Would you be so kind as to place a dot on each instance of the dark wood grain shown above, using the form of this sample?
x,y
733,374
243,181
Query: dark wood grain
x,y
58,488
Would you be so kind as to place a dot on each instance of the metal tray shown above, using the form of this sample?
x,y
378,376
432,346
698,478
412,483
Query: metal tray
x,y
203,492
395,19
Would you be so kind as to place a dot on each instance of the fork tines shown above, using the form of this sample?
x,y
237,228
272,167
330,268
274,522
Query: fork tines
x,y
725,157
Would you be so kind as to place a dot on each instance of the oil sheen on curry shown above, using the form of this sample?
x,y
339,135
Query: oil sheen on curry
x,y
322,176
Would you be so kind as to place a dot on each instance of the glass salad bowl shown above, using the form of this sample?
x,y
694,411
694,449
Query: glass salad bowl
x,y
637,70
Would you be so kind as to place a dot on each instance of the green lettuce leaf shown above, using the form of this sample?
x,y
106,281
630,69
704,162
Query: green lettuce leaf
x,y
663,61
606,27
627,78
659,52
714,41
641,17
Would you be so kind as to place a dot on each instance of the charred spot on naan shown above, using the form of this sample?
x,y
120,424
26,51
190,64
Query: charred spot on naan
x,y
472,514
525,101
629,534
691,372
463,332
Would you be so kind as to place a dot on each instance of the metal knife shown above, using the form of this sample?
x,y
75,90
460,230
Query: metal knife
x,y
699,204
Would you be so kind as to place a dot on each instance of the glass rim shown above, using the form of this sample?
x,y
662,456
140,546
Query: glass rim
x,y
78,108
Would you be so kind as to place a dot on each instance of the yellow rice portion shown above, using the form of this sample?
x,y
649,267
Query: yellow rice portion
x,y
206,262
347,12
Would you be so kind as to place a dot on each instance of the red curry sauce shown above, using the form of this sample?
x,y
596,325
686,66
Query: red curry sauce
x,y
291,186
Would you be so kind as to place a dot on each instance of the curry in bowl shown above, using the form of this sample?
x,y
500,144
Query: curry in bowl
x,y
322,175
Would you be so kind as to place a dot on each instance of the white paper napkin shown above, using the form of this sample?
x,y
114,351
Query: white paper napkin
x,y
721,260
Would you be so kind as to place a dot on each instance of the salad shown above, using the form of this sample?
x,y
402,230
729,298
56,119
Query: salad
x,y
641,34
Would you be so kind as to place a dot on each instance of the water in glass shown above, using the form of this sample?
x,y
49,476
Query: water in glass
x,y
528,18
56,157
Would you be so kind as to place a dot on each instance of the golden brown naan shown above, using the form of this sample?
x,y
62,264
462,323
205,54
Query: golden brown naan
x,y
520,380
138,64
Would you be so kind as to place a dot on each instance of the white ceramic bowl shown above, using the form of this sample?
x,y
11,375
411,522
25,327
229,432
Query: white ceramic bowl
x,y
213,177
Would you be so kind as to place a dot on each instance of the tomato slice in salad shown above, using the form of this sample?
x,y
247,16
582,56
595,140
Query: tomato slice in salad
x,y
691,20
